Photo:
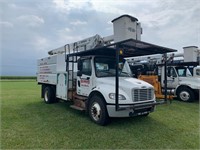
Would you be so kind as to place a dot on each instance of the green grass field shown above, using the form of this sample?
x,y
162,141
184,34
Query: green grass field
x,y
28,123
17,77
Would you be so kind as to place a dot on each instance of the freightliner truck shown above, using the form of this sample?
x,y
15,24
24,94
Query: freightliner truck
x,y
94,74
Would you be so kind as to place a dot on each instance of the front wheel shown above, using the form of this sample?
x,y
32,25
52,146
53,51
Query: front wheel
x,y
97,110
185,94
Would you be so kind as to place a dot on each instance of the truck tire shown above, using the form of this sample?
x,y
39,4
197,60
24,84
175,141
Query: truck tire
x,y
49,95
185,94
97,110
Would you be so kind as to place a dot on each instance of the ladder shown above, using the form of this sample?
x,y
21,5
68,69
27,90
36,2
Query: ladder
x,y
79,101
70,65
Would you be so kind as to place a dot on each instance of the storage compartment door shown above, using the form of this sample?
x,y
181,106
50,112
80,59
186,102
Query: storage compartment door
x,y
61,88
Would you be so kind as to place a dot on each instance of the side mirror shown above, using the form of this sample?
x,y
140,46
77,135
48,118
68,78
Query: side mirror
x,y
79,73
80,64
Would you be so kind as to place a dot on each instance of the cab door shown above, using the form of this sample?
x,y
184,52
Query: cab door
x,y
172,77
84,79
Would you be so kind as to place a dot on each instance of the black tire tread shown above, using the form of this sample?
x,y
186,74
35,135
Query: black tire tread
x,y
192,96
51,95
104,117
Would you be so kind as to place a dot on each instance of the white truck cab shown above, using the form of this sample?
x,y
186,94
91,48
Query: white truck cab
x,y
96,76
185,85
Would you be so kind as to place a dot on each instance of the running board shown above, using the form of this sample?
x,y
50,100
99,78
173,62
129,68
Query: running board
x,y
77,108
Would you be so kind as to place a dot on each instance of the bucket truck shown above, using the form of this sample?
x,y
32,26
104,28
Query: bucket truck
x,y
94,74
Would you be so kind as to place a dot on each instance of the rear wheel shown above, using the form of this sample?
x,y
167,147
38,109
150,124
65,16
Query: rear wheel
x,y
49,95
185,94
97,110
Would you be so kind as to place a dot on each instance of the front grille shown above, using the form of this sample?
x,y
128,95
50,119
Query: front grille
x,y
142,94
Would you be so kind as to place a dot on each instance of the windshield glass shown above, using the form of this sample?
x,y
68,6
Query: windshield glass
x,y
198,72
105,67
183,72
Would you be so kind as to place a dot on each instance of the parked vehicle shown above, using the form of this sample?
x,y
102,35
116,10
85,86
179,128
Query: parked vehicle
x,y
182,74
94,74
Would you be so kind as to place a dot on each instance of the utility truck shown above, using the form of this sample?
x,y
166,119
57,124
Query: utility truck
x,y
94,74
183,74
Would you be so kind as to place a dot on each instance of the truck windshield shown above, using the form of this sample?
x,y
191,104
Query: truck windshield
x,y
183,72
198,72
105,67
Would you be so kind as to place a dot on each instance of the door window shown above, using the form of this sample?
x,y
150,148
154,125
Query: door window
x,y
198,72
87,68
171,72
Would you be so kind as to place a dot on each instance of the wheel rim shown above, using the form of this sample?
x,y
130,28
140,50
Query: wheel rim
x,y
184,95
46,96
96,111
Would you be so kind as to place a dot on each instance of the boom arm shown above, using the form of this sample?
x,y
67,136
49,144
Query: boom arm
x,y
85,44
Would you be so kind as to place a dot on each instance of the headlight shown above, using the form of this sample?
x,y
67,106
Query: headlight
x,y
120,96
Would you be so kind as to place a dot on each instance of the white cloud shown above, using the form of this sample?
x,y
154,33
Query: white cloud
x,y
41,41
60,4
67,5
165,13
54,23
67,30
12,5
31,20
109,6
172,23
122,6
6,24
63,37
40,46
78,22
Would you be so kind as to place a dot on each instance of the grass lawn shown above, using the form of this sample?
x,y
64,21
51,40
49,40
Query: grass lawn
x,y
28,123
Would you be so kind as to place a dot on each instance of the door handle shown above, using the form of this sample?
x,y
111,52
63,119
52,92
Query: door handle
x,y
86,78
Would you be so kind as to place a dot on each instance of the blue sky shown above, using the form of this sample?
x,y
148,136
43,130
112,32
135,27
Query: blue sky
x,y
29,29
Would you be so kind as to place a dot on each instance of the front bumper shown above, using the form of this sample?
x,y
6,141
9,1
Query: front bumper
x,y
130,110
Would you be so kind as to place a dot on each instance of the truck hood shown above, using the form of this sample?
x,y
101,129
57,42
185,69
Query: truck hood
x,y
193,82
126,87
125,82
